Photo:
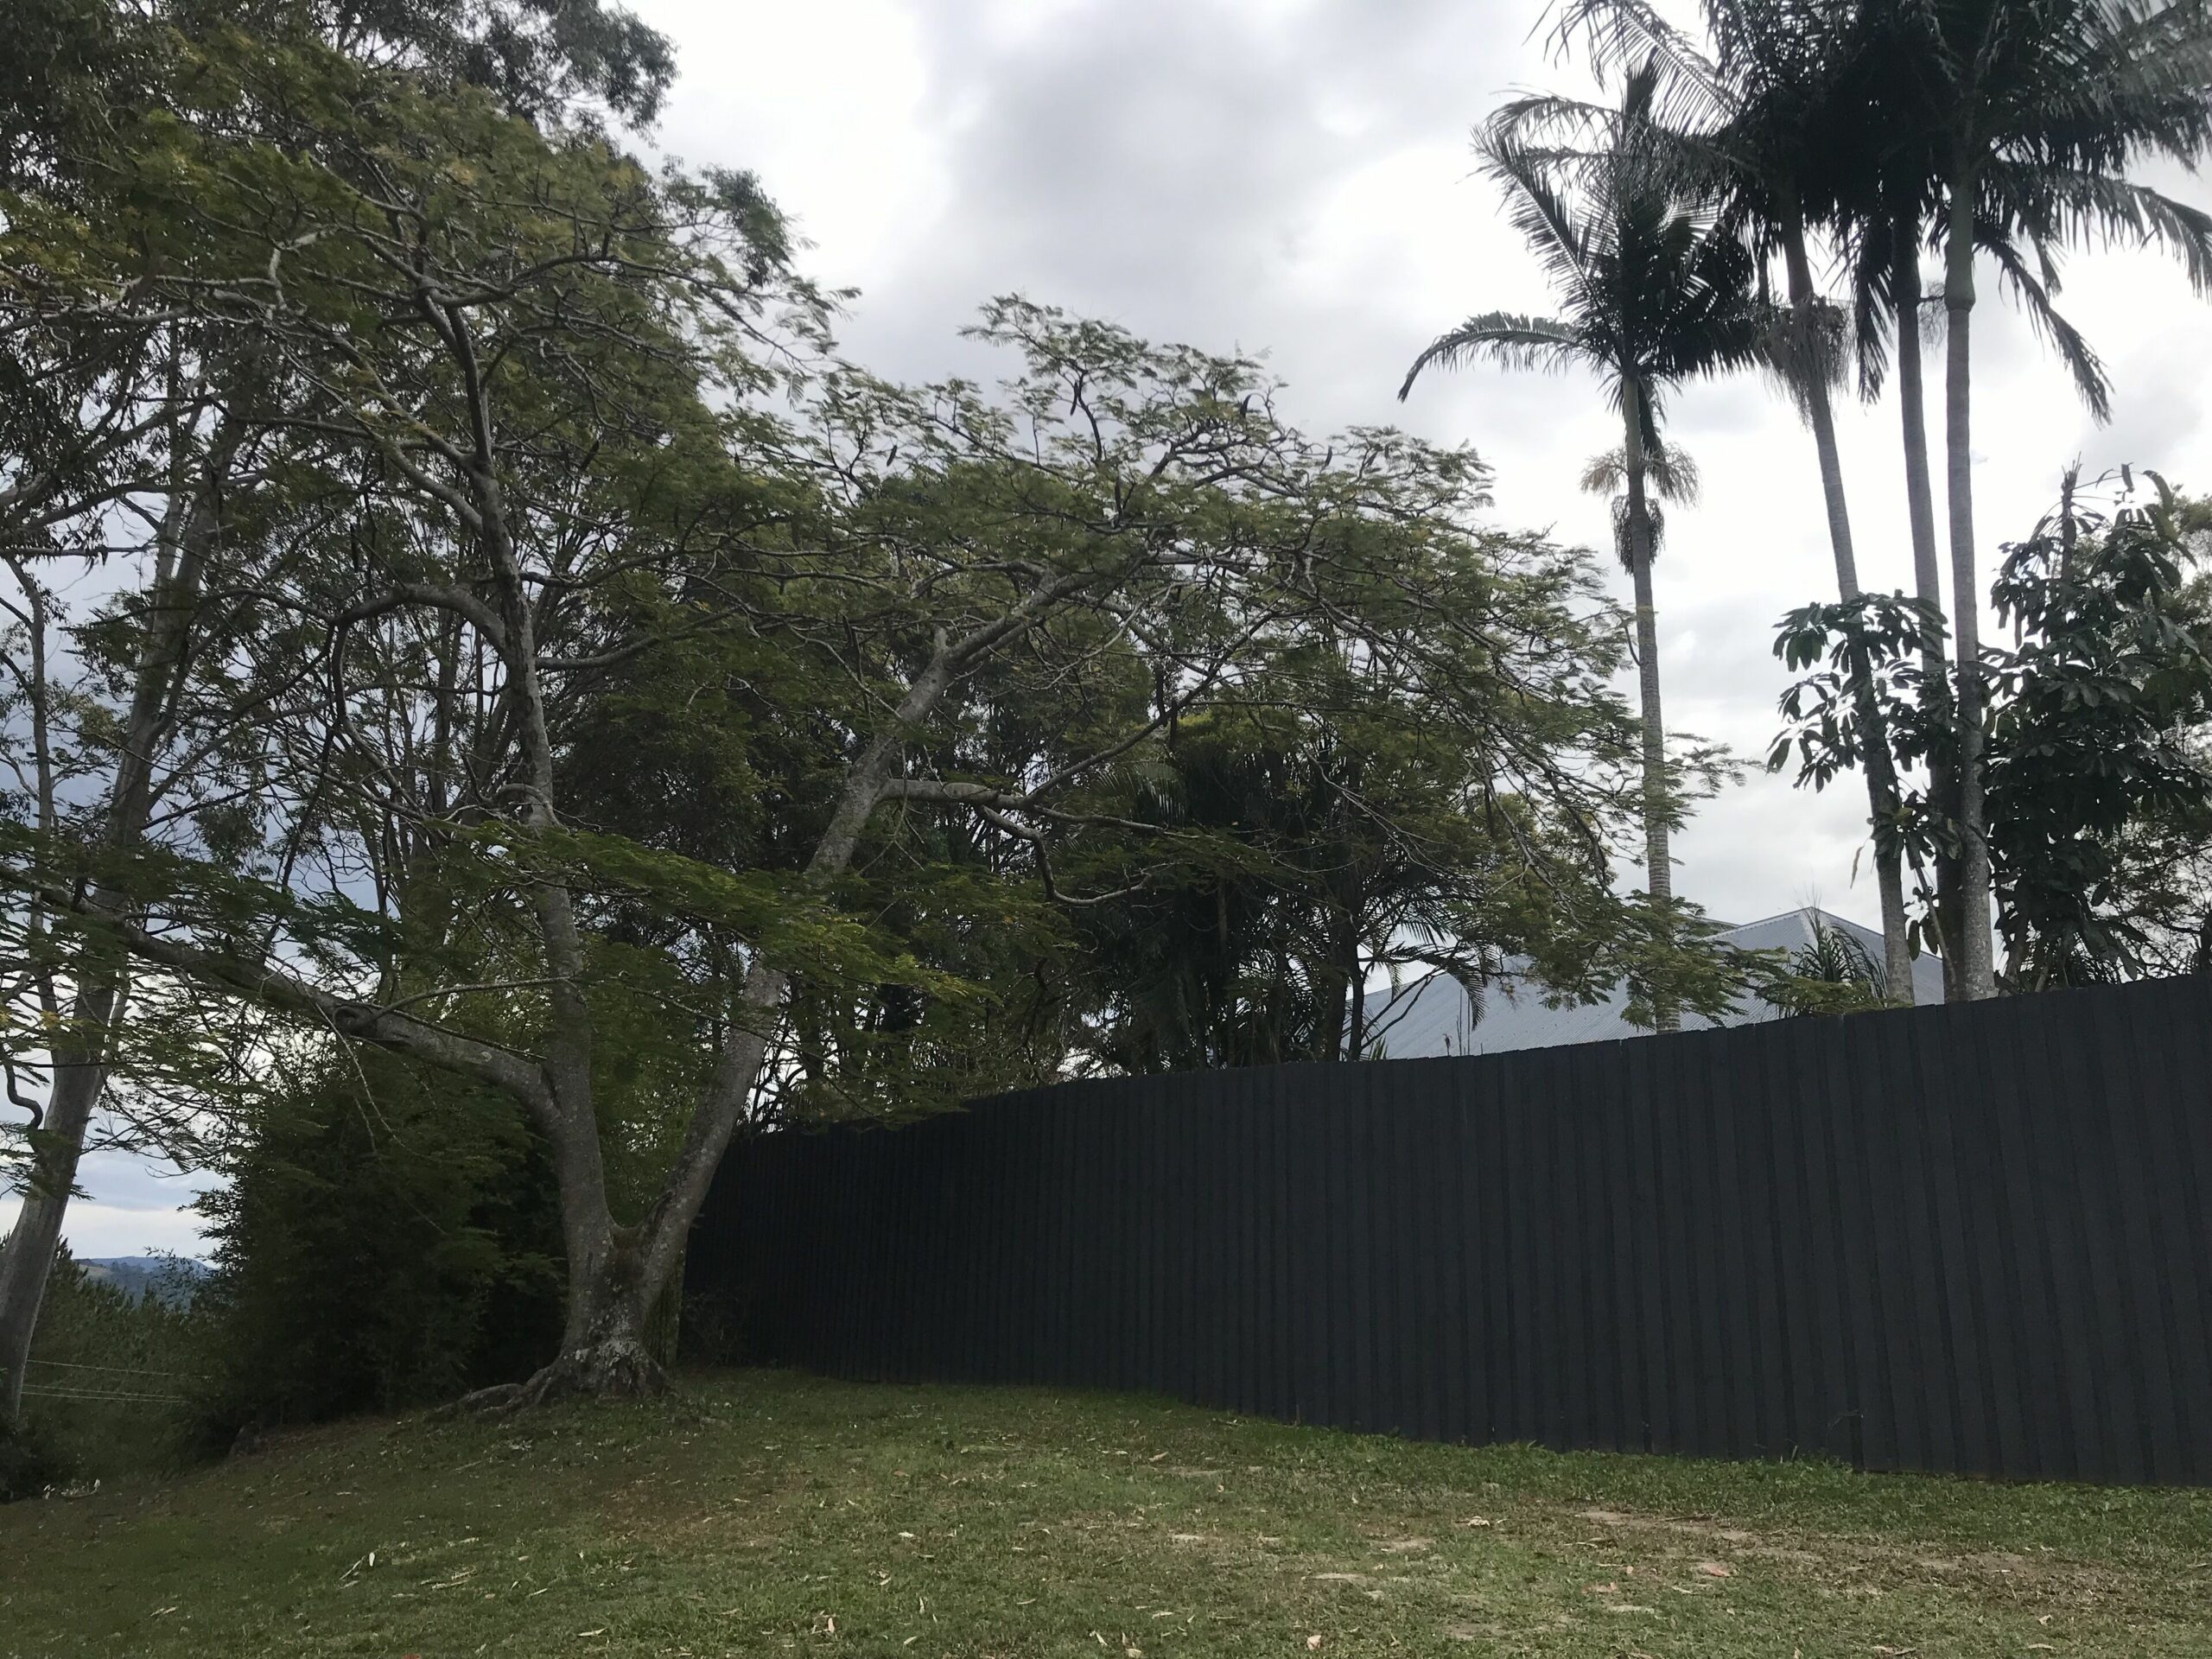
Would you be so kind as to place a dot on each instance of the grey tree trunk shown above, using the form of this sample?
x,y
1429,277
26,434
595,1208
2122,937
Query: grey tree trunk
x,y
26,1259
1977,974
603,1349
618,1272
1658,867
1880,766
80,1066
659,1239
1927,577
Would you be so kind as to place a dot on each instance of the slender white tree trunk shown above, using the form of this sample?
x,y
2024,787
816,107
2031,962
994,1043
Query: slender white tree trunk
x,y
737,1070
1880,766
1927,573
81,1057
1977,977
26,1259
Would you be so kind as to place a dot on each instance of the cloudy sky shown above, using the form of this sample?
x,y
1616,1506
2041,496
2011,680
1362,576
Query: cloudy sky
x,y
1293,177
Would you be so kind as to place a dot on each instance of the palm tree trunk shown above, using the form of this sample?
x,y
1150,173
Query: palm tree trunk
x,y
1976,971
1927,576
1659,869
1880,766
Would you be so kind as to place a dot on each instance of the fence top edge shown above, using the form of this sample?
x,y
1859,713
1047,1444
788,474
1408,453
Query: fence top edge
x,y
1196,1088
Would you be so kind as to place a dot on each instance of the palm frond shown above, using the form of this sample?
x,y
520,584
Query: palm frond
x,y
1620,36
2082,208
1669,470
1651,289
1566,242
1511,339
1585,144
2033,291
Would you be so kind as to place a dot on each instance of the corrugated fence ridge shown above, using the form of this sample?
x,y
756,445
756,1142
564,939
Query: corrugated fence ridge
x,y
1965,1239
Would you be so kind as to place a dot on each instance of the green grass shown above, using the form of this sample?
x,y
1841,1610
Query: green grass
x,y
766,1514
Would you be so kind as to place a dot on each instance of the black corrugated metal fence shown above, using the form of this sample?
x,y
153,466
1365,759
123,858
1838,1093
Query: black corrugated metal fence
x,y
1971,1238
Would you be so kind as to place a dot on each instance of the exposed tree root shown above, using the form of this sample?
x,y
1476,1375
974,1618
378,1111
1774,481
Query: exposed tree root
x,y
618,1368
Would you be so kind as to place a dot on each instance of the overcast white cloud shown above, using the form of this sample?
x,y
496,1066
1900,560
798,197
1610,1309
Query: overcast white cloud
x,y
134,1205
1293,177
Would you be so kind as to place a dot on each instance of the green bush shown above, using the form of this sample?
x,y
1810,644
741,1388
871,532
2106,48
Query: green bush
x,y
388,1238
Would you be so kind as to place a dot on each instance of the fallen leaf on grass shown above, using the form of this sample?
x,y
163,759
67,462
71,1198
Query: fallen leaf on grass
x,y
1313,1644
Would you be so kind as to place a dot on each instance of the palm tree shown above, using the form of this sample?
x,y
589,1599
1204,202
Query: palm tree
x,y
2005,123
1650,295
1758,127
2020,118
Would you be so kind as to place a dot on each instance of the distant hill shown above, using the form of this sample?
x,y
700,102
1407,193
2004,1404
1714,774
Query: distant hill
x,y
170,1278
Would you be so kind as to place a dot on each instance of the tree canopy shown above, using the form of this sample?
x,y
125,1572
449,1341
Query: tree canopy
x,y
546,662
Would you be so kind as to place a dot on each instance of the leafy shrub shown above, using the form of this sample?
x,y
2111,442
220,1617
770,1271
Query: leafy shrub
x,y
388,1238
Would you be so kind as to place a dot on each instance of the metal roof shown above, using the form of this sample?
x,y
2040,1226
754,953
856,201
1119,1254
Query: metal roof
x,y
1431,1016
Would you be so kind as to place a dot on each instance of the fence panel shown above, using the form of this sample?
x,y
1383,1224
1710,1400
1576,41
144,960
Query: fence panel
x,y
1970,1239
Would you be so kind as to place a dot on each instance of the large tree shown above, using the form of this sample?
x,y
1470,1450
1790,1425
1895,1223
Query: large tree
x,y
1651,295
2008,127
139,444
551,423
1411,786
1895,129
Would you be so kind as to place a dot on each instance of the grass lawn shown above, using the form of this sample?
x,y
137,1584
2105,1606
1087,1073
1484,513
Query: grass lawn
x,y
766,1514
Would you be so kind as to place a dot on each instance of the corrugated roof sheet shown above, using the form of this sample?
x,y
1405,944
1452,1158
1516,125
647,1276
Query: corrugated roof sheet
x,y
1431,1016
